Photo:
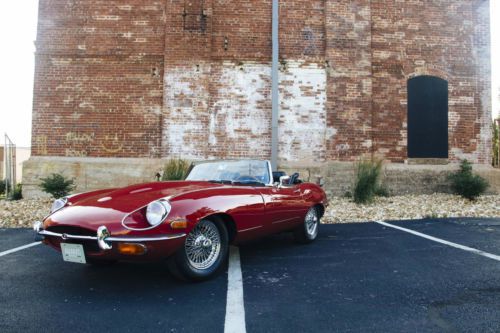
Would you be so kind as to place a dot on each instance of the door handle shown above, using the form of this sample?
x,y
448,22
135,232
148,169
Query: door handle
x,y
296,191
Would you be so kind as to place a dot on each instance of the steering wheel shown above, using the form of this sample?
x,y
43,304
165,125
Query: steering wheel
x,y
246,179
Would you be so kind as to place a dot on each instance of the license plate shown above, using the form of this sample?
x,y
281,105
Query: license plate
x,y
73,253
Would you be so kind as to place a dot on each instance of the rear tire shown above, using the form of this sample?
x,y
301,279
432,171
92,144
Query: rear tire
x,y
308,231
204,253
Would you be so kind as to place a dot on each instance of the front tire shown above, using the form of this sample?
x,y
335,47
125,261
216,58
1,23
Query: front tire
x,y
204,252
308,231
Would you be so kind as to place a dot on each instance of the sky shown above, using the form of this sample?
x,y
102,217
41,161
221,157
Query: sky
x,y
18,20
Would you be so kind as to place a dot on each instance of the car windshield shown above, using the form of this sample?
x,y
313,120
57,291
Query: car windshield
x,y
249,172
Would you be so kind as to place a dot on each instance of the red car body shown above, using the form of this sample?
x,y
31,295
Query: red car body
x,y
248,212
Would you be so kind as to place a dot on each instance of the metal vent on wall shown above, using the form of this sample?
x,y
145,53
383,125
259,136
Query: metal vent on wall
x,y
194,17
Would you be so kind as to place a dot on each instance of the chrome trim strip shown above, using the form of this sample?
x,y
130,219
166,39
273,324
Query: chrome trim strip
x,y
145,239
111,238
285,220
138,209
260,226
65,236
270,169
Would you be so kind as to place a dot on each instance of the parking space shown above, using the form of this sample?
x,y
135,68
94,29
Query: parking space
x,y
482,234
355,277
12,238
364,277
40,291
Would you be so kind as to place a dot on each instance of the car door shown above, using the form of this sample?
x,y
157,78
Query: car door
x,y
284,207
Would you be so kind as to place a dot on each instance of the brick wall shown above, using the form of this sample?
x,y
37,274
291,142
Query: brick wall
x,y
99,78
191,78
448,39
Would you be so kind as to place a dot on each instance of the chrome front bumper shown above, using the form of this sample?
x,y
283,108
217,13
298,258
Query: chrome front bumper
x,y
103,237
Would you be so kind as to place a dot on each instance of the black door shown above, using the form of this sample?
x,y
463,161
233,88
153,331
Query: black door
x,y
427,117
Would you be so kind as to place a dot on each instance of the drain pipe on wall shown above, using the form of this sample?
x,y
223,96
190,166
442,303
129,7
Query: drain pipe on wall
x,y
274,87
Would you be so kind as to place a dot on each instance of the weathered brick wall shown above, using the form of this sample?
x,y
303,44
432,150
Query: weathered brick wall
x,y
349,94
99,78
191,78
448,39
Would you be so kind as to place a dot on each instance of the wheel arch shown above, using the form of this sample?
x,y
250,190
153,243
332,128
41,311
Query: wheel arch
x,y
321,209
228,222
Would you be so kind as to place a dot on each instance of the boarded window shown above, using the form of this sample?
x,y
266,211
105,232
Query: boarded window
x,y
427,117
194,15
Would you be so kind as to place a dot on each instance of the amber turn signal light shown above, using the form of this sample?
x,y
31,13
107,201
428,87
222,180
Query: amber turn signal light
x,y
131,248
180,224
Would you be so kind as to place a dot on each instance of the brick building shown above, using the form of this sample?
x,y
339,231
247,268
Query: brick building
x,y
119,85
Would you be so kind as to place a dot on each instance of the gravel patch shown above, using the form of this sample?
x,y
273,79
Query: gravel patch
x,y
410,207
22,213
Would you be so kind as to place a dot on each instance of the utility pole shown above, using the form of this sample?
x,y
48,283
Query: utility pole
x,y
274,86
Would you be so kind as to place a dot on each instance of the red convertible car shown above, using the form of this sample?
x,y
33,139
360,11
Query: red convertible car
x,y
191,223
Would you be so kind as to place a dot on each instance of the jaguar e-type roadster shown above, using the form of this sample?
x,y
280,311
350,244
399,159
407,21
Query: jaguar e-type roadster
x,y
190,223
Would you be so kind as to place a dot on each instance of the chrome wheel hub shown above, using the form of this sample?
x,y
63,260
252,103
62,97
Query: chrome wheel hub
x,y
202,241
203,245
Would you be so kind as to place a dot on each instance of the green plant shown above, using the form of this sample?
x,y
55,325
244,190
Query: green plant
x,y
175,169
382,191
347,194
467,184
17,192
367,180
57,185
2,187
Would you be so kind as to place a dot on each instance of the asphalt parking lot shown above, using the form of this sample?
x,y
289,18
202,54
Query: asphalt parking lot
x,y
356,277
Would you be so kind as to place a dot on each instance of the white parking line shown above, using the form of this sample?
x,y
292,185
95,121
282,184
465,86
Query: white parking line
x,y
235,307
442,241
4,253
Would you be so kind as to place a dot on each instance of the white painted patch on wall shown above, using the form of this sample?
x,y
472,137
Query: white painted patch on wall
x,y
239,117
223,110
186,95
302,127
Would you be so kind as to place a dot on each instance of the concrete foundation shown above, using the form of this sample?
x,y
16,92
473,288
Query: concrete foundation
x,y
98,173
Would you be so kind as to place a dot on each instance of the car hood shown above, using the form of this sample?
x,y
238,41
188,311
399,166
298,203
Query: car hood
x,y
130,198
112,206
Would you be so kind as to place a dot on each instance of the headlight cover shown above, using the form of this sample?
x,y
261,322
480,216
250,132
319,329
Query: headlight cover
x,y
58,204
157,211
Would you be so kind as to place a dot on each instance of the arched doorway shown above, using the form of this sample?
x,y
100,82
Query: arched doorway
x,y
427,117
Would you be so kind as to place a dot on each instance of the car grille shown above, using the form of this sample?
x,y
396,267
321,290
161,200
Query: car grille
x,y
62,229
88,245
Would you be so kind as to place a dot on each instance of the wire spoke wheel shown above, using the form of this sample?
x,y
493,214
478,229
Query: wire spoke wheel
x,y
311,223
203,245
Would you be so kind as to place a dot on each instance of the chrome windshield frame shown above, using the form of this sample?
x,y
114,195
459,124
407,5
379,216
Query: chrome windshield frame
x,y
269,167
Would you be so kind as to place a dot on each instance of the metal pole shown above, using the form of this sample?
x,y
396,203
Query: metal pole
x,y
274,87
7,166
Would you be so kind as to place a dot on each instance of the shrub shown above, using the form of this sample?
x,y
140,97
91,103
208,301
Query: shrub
x,y
347,194
17,193
382,191
57,185
2,187
367,179
467,184
175,169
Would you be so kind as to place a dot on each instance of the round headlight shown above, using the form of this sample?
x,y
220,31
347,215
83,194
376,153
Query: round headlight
x,y
58,204
157,211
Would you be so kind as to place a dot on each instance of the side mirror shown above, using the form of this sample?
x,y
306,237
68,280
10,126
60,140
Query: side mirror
x,y
320,181
284,180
